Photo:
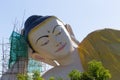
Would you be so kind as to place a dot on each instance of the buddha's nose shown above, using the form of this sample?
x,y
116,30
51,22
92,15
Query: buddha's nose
x,y
55,41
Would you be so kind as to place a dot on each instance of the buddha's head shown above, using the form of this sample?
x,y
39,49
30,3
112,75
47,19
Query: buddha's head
x,y
48,36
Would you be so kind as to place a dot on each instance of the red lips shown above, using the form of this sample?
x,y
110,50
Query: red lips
x,y
59,49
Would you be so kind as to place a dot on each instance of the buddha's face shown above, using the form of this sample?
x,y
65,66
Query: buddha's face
x,y
51,38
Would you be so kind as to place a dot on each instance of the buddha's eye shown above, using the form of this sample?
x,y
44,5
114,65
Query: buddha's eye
x,y
43,41
57,30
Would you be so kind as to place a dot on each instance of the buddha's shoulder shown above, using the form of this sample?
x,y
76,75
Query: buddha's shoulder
x,y
105,31
99,34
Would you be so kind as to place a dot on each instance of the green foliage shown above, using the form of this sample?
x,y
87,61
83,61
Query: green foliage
x,y
86,76
36,76
74,75
22,77
97,70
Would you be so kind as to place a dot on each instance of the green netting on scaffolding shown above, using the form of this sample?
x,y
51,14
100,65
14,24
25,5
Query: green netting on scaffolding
x,y
34,65
18,48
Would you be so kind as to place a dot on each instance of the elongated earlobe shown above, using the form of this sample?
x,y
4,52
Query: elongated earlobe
x,y
69,29
39,57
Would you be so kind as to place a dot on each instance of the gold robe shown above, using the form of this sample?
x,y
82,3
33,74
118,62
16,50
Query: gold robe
x,y
102,45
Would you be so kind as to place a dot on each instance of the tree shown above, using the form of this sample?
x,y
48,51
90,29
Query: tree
x,y
36,75
96,71
86,76
22,77
74,75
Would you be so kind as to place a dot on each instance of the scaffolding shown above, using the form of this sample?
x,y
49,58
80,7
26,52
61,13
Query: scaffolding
x,y
19,64
4,57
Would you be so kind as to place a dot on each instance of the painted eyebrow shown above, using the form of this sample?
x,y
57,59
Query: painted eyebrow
x,y
54,28
41,37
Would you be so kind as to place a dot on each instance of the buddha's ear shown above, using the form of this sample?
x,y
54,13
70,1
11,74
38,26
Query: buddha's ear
x,y
42,58
69,29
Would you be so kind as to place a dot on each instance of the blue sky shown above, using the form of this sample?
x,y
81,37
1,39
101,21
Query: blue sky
x,y
84,16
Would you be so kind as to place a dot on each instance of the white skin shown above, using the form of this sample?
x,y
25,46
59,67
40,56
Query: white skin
x,y
52,42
